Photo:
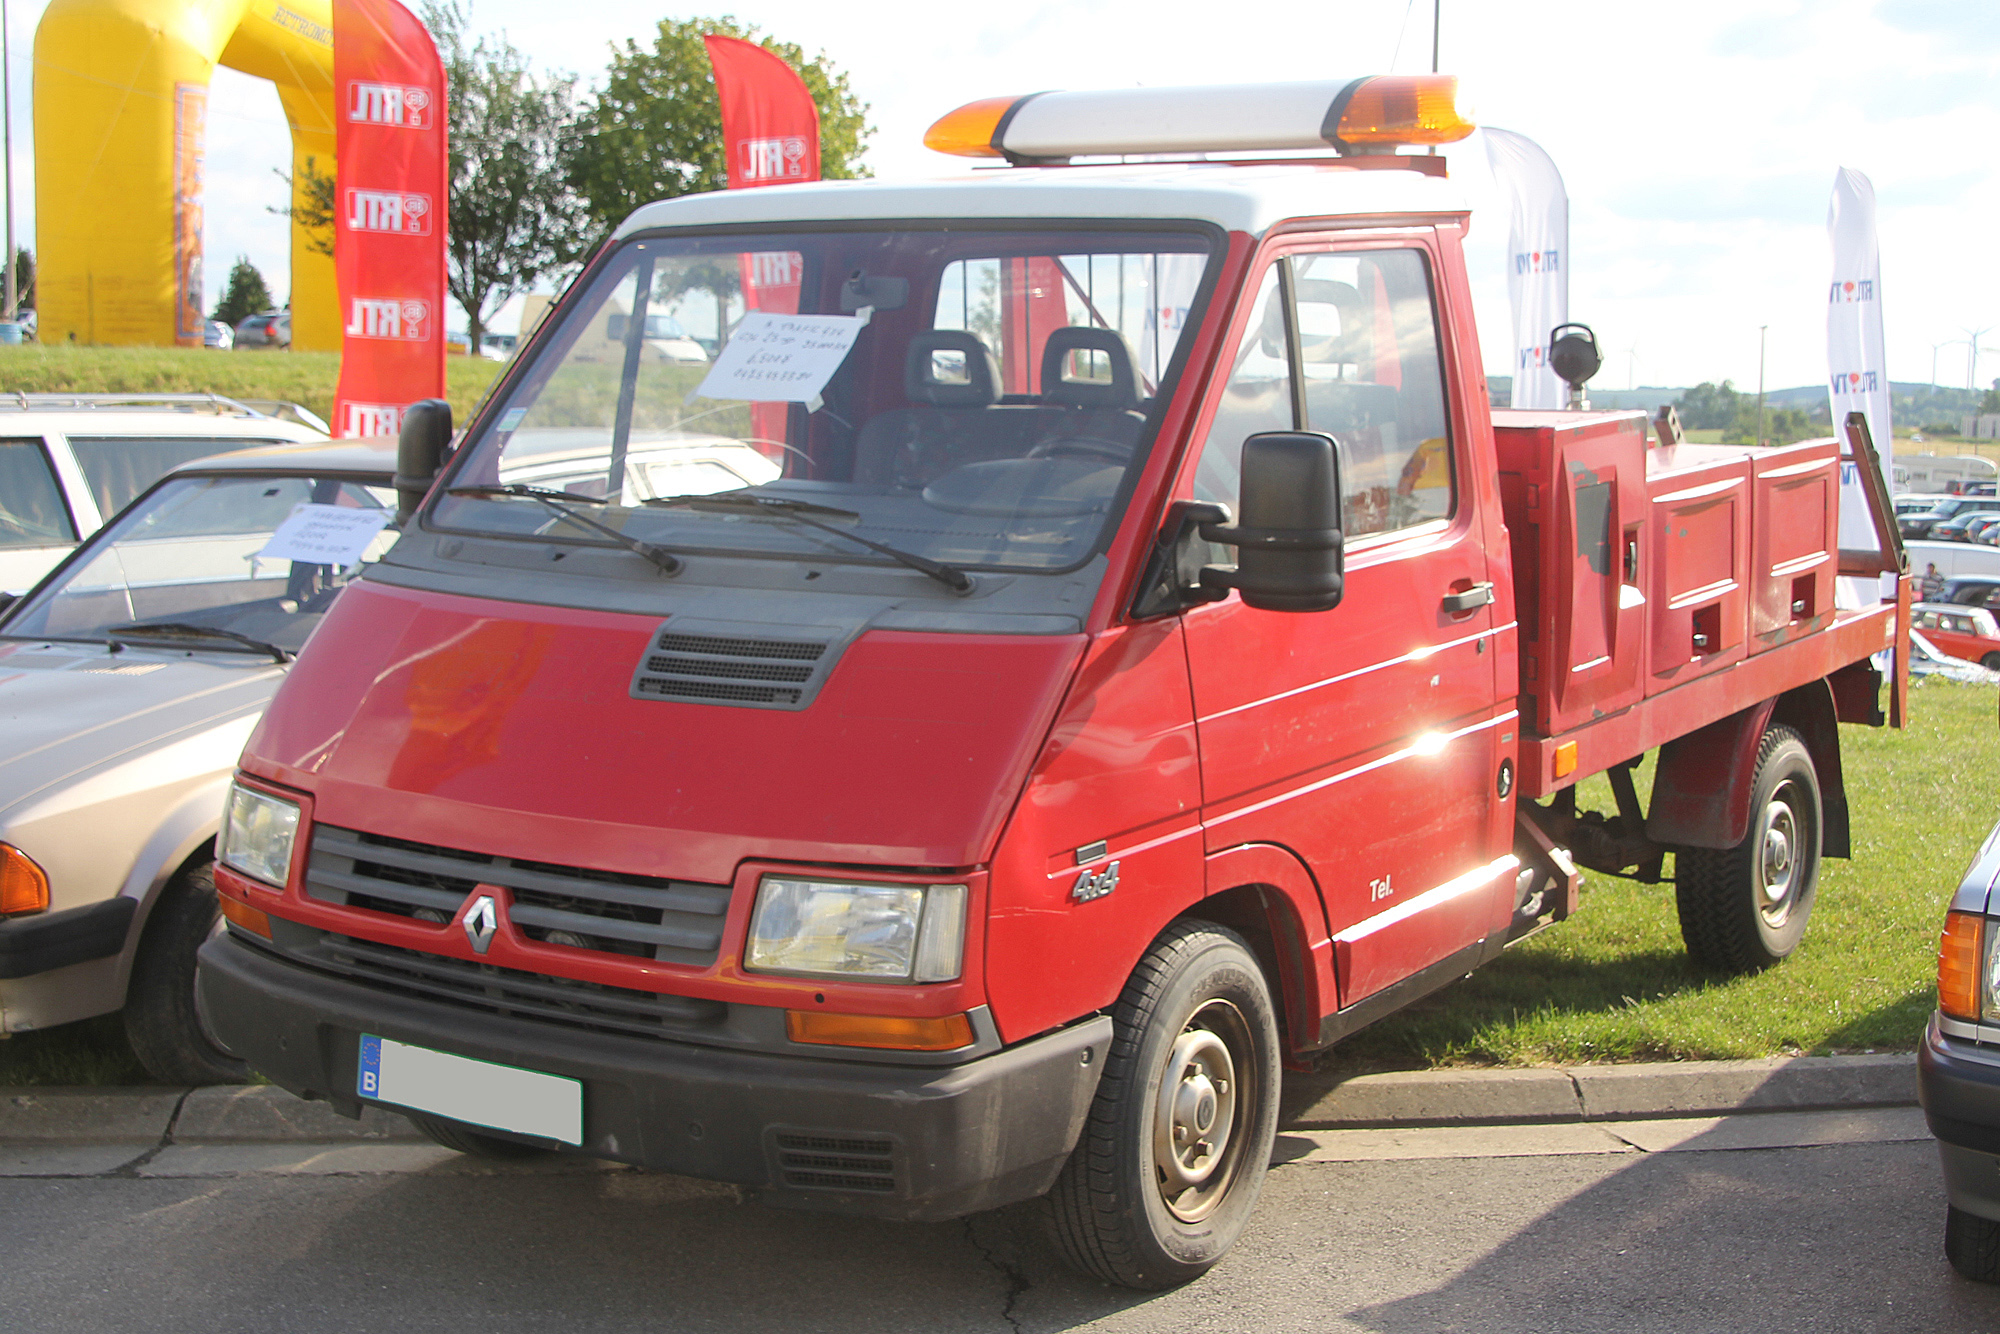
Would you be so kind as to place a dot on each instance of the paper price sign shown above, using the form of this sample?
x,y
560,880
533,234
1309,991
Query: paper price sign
x,y
334,535
781,358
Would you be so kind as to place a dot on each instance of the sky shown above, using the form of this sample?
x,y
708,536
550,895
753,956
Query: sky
x,y
1698,141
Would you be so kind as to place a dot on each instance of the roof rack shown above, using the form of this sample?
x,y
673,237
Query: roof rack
x,y
217,404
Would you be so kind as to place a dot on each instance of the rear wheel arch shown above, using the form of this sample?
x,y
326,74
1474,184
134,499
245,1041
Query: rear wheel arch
x,y
1703,781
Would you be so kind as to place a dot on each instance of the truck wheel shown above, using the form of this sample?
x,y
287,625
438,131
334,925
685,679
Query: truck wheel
x,y
1175,1149
1744,908
162,1020
462,1138
1972,1244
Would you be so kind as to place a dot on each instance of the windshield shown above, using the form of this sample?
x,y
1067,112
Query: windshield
x,y
976,398
262,557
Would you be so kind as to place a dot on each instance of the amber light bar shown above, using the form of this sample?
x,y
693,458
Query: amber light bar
x,y
879,1030
1959,956
1383,110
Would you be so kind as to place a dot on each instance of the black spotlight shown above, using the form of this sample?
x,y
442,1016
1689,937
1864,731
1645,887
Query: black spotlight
x,y
1574,357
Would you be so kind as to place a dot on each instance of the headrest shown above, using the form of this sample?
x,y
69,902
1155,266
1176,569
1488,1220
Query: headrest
x,y
1122,391
971,379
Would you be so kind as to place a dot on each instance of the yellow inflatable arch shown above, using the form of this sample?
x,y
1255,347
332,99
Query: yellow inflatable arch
x,y
121,99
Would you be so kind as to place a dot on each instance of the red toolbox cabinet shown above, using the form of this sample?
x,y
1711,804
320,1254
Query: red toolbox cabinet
x,y
1573,490
1798,540
1698,586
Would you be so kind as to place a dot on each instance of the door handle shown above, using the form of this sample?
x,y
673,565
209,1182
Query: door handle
x,y
1470,599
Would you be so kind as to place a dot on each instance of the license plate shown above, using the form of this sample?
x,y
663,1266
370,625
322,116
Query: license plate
x,y
500,1097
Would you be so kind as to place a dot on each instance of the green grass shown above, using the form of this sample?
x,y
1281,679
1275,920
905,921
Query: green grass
x,y
305,378
1613,984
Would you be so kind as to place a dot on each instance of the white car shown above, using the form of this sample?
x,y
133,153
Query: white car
x,y
68,462
129,680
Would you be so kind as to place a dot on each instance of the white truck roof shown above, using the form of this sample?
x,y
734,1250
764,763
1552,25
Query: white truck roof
x,y
1239,198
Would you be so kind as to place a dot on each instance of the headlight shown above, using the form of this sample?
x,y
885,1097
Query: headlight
x,y
257,834
887,933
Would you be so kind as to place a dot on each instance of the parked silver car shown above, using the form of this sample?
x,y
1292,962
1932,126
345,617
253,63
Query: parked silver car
x,y
68,462
129,680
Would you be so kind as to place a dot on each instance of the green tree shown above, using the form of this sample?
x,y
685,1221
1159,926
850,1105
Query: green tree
x,y
1781,425
315,215
1989,402
516,218
24,278
655,130
1708,406
243,295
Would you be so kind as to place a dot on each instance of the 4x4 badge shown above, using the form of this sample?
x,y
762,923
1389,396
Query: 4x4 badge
x,y
482,919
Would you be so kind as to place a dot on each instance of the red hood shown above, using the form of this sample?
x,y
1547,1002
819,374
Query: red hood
x,y
508,729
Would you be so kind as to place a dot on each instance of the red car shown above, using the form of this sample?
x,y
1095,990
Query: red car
x,y
1963,632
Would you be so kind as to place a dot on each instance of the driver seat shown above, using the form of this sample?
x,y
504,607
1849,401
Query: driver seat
x,y
1102,411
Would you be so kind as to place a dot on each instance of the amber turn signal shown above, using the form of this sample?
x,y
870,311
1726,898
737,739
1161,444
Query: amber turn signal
x,y
242,914
879,1030
1958,965
968,131
1565,759
24,886
1404,109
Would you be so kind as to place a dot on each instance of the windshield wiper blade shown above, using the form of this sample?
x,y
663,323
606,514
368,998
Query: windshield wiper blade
x,y
737,500
559,502
183,629
800,511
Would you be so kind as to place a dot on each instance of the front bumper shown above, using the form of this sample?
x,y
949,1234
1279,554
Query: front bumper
x,y
47,941
1958,1083
906,1142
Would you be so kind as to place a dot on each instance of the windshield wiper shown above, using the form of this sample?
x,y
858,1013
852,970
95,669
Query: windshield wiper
x,y
801,511
184,629
559,502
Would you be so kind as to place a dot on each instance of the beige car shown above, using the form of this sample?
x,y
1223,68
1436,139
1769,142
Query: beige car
x,y
68,462
129,680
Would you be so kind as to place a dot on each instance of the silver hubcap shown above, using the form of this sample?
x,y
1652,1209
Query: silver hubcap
x,y
1778,859
1200,1101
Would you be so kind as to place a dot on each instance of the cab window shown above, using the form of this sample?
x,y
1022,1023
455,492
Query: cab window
x,y
1353,353
32,513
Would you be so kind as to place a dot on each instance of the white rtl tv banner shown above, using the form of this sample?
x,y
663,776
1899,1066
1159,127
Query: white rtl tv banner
x,y
1857,369
1537,261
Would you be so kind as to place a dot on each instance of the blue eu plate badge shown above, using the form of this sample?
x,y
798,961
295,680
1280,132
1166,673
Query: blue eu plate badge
x,y
369,1082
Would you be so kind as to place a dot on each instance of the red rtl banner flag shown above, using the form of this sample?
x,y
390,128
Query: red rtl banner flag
x,y
390,192
770,135
770,126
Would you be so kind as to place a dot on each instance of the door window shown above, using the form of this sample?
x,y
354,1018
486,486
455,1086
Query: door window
x,y
32,513
1367,369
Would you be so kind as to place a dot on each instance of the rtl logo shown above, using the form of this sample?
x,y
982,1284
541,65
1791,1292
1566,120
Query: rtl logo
x,y
1534,358
1855,382
400,104
776,268
404,319
1538,261
1858,289
775,159
371,419
389,211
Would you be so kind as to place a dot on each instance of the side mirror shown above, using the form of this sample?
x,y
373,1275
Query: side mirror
x,y
1289,549
420,451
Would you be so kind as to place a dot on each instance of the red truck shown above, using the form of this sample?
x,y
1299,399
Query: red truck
x,y
950,820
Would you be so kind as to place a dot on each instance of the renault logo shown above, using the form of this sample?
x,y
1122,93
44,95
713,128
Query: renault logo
x,y
481,920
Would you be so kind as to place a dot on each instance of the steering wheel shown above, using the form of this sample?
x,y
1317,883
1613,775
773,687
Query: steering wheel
x,y
1082,446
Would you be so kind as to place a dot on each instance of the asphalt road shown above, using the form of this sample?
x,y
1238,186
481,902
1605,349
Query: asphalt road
x,y
1630,1227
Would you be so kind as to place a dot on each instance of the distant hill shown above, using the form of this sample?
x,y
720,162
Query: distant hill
x,y
1910,402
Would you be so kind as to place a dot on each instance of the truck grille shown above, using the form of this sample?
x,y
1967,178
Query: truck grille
x,y
776,672
568,907
828,1161
510,991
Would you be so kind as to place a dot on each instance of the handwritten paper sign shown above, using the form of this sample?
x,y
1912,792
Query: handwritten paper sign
x,y
325,534
781,358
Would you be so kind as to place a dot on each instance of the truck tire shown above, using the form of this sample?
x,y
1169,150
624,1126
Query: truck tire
x,y
163,1023
1174,1151
1972,1244
462,1138
1744,908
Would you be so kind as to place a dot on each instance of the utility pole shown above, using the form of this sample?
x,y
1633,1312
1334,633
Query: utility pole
x,y
12,297
1762,329
1437,12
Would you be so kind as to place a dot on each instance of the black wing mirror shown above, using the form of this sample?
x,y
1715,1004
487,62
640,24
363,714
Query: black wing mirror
x,y
420,451
1289,549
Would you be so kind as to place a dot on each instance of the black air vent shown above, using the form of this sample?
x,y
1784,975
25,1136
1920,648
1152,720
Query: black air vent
x,y
772,673
832,1161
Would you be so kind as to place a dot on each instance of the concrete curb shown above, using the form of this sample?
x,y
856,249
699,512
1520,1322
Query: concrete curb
x,y
265,1115
1600,1092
